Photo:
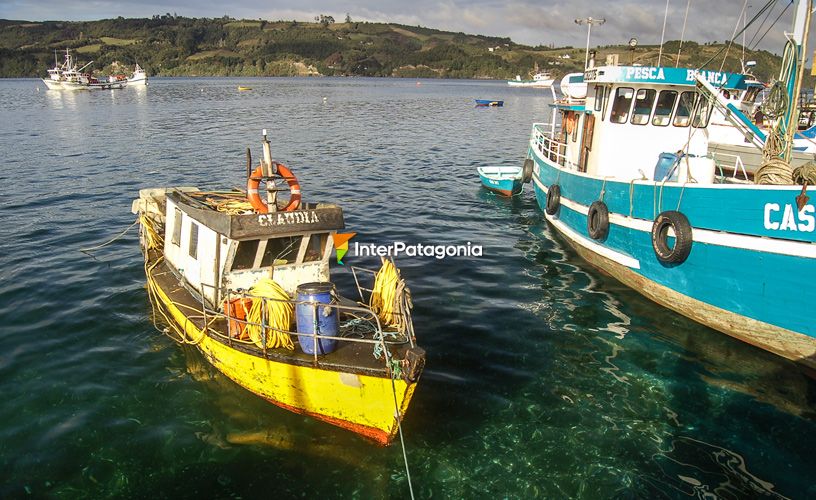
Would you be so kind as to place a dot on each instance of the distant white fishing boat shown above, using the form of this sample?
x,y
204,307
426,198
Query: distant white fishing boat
x,y
139,77
542,79
67,76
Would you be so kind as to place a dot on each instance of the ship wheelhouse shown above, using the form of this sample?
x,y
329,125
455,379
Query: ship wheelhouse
x,y
630,117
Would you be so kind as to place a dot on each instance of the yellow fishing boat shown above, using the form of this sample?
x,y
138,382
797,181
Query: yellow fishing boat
x,y
247,281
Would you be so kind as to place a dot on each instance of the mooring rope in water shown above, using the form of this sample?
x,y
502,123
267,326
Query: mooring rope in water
x,y
398,416
97,247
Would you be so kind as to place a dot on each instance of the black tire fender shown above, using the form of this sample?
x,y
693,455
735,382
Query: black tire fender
x,y
598,220
683,237
527,171
553,199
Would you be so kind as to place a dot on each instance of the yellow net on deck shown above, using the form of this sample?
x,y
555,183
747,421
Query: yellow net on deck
x,y
274,312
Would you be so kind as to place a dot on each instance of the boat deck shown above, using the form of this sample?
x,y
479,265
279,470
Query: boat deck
x,y
351,355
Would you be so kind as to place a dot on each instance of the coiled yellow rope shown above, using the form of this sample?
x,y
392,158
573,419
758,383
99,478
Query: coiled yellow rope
x,y
275,314
153,239
386,298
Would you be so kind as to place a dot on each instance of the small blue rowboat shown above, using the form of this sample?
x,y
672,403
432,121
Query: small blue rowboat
x,y
506,181
489,102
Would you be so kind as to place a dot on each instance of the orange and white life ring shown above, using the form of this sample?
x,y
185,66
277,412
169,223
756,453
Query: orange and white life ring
x,y
254,182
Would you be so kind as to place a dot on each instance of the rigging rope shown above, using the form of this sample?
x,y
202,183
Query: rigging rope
x,y
771,26
753,19
682,34
734,34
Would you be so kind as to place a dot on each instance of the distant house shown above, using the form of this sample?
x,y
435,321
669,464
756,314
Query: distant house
x,y
565,56
490,49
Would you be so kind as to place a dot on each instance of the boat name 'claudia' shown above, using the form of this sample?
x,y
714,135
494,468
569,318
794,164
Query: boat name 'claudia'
x,y
285,218
792,220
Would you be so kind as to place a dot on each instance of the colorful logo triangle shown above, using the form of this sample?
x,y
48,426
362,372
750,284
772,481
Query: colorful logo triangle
x,y
341,245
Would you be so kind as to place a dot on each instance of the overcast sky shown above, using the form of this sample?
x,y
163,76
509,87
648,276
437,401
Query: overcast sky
x,y
525,21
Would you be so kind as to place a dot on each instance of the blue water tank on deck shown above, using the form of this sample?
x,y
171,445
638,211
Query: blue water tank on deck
x,y
316,293
666,168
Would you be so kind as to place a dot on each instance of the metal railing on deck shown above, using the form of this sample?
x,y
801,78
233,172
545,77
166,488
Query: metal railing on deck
x,y
547,145
730,162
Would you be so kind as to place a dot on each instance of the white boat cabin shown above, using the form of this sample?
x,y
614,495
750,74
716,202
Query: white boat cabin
x,y
215,252
630,117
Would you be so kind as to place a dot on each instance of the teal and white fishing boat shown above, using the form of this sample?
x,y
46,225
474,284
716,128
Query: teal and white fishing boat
x,y
627,179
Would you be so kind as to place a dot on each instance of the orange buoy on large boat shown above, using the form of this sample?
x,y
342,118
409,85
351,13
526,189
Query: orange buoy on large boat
x,y
570,120
254,182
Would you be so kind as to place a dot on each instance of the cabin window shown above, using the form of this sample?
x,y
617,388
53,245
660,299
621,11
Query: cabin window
x,y
245,255
702,113
193,247
751,94
663,110
644,100
176,238
684,106
316,247
281,251
600,92
622,104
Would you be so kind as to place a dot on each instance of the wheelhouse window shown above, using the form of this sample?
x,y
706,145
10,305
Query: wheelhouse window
x,y
600,93
663,109
176,238
684,107
644,100
281,251
193,247
622,105
254,254
702,113
315,248
245,255
751,94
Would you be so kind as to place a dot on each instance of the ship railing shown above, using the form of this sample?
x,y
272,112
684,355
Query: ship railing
x,y
402,317
357,323
547,145
732,163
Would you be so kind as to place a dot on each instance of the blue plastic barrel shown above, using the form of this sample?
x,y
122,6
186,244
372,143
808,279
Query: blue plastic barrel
x,y
317,293
666,168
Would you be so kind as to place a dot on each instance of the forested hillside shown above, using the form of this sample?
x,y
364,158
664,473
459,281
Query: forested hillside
x,y
169,45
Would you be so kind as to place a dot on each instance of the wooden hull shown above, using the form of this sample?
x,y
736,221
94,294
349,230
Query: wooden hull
x,y
505,181
354,399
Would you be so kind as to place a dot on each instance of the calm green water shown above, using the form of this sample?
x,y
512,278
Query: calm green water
x,y
545,379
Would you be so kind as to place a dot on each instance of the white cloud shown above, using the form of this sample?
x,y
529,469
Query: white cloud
x,y
525,21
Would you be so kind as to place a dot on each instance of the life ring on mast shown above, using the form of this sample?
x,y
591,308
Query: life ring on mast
x,y
682,237
254,182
